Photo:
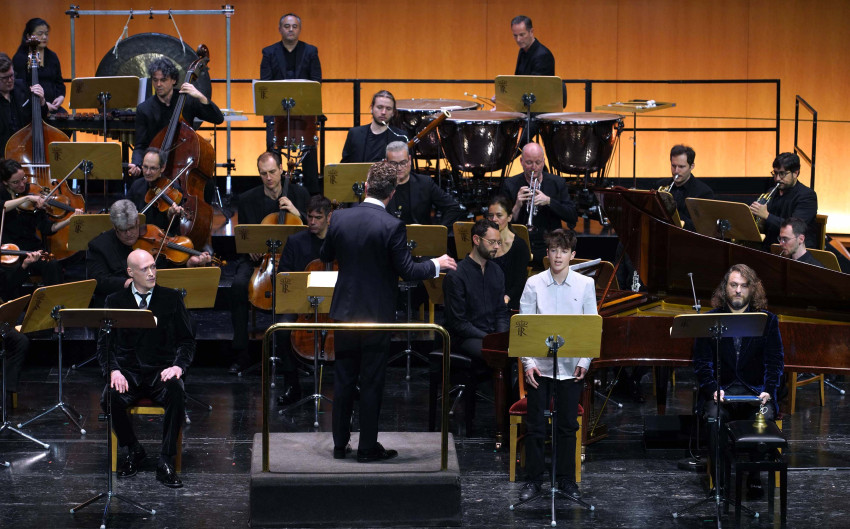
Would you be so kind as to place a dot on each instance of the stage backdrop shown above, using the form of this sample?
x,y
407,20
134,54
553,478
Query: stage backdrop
x,y
803,43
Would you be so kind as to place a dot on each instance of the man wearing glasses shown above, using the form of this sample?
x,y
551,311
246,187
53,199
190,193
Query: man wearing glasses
x,y
792,239
792,199
475,294
15,113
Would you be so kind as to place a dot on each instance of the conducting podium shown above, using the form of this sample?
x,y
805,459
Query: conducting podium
x,y
544,336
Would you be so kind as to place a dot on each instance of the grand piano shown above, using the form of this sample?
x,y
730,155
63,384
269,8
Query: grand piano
x,y
813,303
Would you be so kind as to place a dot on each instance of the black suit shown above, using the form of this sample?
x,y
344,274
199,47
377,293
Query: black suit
x,y
370,246
538,60
693,188
413,202
106,261
799,201
354,150
141,355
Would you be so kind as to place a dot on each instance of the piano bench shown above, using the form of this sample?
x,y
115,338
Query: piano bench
x,y
768,444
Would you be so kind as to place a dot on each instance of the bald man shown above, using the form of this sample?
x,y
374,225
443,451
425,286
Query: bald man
x,y
551,201
148,363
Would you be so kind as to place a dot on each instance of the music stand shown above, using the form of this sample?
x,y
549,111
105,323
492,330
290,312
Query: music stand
x,y
104,158
106,320
289,97
529,93
722,220
463,236
308,292
43,313
104,93
198,287
261,239
84,228
423,241
531,335
345,182
716,326
9,313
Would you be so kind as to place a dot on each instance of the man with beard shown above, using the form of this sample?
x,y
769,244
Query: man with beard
x,y
684,184
792,239
368,143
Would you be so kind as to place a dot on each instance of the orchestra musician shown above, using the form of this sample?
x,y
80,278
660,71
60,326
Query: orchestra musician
x,y
154,113
49,69
684,184
292,58
152,167
26,218
750,365
555,291
148,363
254,205
416,195
108,252
792,239
513,254
368,143
15,112
370,246
533,57
15,343
793,199
552,203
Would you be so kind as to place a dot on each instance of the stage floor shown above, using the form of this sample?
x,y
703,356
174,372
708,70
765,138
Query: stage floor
x,y
630,486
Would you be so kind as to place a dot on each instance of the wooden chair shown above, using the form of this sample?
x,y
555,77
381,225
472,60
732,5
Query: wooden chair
x,y
147,407
517,414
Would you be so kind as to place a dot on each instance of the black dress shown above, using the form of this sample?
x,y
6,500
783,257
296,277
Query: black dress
x,y
49,75
515,266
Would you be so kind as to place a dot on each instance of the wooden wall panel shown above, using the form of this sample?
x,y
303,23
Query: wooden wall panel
x,y
803,43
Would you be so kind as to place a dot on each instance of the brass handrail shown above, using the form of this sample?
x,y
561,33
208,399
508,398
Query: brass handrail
x,y
403,327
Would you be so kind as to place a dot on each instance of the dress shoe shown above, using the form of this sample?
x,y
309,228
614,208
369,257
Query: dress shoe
x,y
234,368
376,454
167,475
569,487
755,490
130,466
341,451
528,490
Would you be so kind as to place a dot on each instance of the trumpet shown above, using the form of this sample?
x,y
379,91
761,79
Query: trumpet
x,y
530,206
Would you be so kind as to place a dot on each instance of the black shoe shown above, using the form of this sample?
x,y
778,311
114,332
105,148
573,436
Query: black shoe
x,y
528,490
569,487
755,490
234,368
376,454
167,475
341,452
130,466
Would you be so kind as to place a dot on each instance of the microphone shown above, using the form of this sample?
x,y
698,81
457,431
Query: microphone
x,y
696,305
396,134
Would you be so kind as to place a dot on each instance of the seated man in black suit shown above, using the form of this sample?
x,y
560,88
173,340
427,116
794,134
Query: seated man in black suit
x,y
684,184
147,363
552,203
475,293
370,246
151,172
368,143
792,239
416,195
750,366
107,253
292,59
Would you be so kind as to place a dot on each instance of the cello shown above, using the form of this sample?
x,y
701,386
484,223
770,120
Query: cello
x,y
182,148
29,147
303,342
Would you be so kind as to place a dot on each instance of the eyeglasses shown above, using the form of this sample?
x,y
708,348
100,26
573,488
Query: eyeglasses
x,y
7,77
779,174
494,242
785,240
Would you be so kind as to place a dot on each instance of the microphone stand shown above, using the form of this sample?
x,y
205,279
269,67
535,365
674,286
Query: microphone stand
x,y
694,463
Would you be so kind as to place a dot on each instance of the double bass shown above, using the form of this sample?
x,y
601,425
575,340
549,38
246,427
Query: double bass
x,y
182,148
29,147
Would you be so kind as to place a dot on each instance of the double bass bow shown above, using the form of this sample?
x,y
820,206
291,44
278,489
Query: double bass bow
x,y
183,149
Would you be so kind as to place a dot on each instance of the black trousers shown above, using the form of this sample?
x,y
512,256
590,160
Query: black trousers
x,y
16,346
170,395
569,393
361,358
239,304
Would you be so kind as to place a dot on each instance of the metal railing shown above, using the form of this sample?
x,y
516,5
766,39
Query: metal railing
x,y
797,149
362,327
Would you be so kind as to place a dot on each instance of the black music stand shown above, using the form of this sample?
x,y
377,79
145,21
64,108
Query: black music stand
x,y
9,313
529,93
531,335
423,241
43,313
106,320
290,97
265,238
717,326
345,182
317,289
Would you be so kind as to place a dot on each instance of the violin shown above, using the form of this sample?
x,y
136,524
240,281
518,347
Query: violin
x,y
177,249
170,197
56,206
303,342
10,254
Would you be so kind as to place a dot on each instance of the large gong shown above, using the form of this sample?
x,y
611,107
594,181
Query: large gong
x,y
136,52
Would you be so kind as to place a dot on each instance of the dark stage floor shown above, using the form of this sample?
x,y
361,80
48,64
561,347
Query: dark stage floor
x,y
629,485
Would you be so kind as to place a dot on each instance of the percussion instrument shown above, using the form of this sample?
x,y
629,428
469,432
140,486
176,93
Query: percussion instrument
x,y
412,115
480,141
579,142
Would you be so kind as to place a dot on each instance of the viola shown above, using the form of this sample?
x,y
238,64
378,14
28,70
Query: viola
x,y
177,249
303,342
10,254
170,197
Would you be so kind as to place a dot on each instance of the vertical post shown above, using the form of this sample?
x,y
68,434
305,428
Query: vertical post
x,y
588,96
227,14
356,92
778,110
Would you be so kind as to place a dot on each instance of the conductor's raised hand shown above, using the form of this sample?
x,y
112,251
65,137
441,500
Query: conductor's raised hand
x,y
446,263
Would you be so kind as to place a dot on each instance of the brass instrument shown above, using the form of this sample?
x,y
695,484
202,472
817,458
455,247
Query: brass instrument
x,y
764,199
530,207
667,188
